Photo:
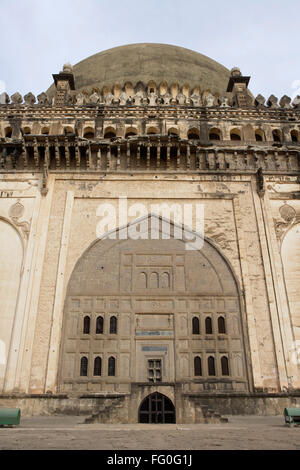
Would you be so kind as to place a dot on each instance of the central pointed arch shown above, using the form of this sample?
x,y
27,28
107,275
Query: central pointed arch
x,y
121,278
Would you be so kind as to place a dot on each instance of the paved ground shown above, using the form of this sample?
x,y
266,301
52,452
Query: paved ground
x,y
242,432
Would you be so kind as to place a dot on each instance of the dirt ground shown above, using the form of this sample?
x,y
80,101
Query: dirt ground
x,y
70,433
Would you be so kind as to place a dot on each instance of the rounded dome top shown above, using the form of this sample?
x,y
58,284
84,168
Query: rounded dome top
x,y
144,62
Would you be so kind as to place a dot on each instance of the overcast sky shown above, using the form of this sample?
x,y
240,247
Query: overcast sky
x,y
261,37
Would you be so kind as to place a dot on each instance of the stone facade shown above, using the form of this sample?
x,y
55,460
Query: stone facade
x,y
86,320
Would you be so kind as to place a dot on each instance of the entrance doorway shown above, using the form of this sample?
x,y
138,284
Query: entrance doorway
x,y
157,408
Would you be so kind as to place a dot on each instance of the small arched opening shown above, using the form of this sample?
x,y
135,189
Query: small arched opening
x,y
214,134
45,130
68,130
26,130
196,326
193,133
131,131
88,133
276,135
157,408
294,135
109,133
152,131
235,134
173,131
259,135
8,132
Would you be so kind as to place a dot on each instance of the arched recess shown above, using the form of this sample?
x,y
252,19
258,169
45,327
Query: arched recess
x,y
112,270
11,258
157,409
290,254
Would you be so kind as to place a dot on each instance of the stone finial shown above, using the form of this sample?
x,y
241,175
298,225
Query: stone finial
x,y
138,98
109,98
43,99
181,98
152,97
80,99
296,101
167,99
67,68
196,99
123,98
94,98
209,100
29,99
272,102
4,98
235,72
285,102
224,101
69,100
16,98
260,101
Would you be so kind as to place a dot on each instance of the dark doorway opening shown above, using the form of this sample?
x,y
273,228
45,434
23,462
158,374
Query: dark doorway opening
x,y
157,408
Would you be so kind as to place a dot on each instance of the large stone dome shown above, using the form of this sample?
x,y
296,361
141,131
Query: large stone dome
x,y
145,62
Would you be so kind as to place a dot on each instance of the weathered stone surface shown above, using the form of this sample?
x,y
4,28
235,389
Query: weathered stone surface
x,y
218,325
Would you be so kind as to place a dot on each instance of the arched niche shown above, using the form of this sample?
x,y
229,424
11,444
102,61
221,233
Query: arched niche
x,y
11,256
120,276
290,254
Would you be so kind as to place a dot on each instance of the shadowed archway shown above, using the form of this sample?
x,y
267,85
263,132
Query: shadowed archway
x,y
157,409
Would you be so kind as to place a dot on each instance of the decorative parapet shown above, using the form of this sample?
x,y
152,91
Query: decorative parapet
x,y
142,153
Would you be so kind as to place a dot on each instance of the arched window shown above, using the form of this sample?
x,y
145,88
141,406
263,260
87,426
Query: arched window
x,y
276,135
68,130
45,130
113,325
88,133
259,135
130,132
99,326
26,130
196,326
8,132
152,131
173,131
111,366
224,365
208,326
109,133
83,367
221,325
211,365
294,135
197,366
214,134
97,366
235,134
86,325
193,133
